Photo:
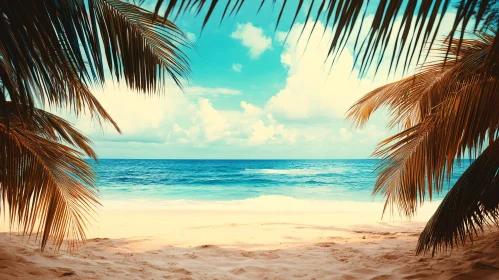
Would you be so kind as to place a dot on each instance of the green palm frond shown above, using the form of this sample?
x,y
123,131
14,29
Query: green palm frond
x,y
420,21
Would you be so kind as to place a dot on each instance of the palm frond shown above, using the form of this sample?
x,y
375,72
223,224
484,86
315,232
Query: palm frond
x,y
422,157
414,97
45,185
446,111
54,50
137,47
420,22
472,203
49,126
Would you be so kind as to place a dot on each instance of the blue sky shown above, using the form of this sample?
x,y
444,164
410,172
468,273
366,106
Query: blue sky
x,y
251,95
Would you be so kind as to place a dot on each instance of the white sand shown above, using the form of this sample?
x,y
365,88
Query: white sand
x,y
265,238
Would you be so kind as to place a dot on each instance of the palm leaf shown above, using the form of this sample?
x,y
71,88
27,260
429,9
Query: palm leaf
x,y
420,22
45,185
422,157
470,204
53,50
446,111
414,97
138,48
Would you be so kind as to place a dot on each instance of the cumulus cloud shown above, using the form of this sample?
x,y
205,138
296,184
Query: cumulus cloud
x,y
261,132
174,118
213,122
253,38
311,90
237,67
271,132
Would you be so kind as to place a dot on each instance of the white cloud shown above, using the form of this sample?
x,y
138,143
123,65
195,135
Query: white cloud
x,y
140,117
311,91
281,36
273,132
214,123
196,90
253,38
250,109
175,119
191,37
237,67
261,133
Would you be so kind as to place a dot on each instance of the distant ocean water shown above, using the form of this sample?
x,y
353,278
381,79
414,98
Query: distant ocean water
x,y
227,180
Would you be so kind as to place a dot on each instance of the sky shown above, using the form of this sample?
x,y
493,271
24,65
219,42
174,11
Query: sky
x,y
251,95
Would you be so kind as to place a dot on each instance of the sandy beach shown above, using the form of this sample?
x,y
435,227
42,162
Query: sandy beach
x,y
249,139
187,240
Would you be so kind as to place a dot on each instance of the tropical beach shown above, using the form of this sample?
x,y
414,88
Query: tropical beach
x,y
237,139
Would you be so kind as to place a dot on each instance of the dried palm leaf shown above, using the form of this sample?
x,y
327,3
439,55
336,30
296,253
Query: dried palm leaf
x,y
446,111
45,185
471,203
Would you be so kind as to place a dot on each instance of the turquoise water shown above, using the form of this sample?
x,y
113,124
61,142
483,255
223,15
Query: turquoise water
x,y
224,180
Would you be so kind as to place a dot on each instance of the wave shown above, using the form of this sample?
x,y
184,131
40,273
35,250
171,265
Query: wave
x,y
299,171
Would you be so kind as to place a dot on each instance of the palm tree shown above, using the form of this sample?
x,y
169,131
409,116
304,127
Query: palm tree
x,y
51,52
446,111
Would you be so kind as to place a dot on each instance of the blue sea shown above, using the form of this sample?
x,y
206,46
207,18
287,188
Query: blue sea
x,y
226,180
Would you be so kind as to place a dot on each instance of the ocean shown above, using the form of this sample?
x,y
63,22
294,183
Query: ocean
x,y
229,180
